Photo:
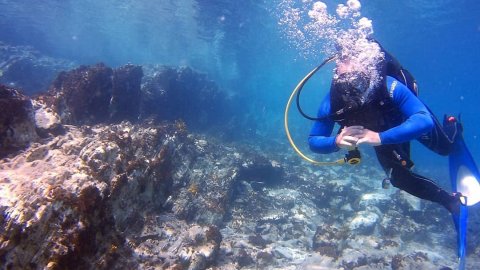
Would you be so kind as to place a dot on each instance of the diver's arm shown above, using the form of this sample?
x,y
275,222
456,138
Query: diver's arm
x,y
418,119
320,139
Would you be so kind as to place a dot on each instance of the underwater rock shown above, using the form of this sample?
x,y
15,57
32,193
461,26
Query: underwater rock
x,y
96,94
135,162
355,259
261,171
316,223
23,67
175,244
243,258
110,189
380,200
126,93
47,122
266,258
182,93
328,240
409,201
17,123
257,240
205,181
417,260
151,195
54,213
82,96
364,222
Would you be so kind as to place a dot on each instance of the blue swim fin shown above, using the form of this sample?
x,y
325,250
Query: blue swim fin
x,y
464,176
460,221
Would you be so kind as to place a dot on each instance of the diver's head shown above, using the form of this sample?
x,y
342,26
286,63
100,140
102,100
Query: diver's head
x,y
351,85
349,91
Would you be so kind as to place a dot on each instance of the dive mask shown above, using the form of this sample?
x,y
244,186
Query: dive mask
x,y
348,92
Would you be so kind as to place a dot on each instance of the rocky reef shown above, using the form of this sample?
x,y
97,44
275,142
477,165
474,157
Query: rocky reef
x,y
182,93
112,168
96,194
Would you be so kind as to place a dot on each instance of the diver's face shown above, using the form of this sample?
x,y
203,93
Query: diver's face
x,y
352,81
351,78
344,67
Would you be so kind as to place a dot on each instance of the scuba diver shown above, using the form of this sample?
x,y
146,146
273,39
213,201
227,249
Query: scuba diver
x,y
387,115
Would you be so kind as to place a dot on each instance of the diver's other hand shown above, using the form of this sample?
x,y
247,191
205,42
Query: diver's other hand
x,y
369,137
348,137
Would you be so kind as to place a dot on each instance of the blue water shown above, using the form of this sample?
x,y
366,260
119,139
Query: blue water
x,y
241,46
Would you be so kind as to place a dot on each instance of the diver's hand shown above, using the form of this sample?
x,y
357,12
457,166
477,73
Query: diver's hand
x,y
348,137
369,137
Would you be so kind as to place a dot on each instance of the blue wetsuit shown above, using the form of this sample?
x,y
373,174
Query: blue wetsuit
x,y
416,122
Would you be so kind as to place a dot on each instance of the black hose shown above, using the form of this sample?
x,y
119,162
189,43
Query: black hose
x,y
301,87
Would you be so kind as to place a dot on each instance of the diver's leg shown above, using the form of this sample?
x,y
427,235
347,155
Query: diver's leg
x,y
421,187
403,178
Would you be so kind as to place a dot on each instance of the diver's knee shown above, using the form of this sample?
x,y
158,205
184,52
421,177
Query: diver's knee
x,y
395,182
396,178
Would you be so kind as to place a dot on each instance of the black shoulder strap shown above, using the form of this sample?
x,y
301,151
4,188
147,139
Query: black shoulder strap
x,y
393,68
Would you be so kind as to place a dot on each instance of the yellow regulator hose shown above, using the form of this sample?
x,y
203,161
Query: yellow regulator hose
x,y
292,143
